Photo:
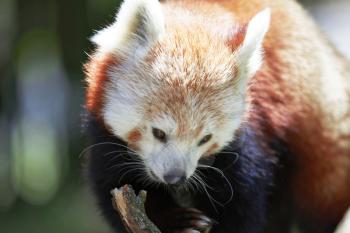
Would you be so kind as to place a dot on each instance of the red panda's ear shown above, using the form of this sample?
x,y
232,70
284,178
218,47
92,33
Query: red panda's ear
x,y
139,23
249,54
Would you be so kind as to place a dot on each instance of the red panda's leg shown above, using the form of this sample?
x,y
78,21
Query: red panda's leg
x,y
180,220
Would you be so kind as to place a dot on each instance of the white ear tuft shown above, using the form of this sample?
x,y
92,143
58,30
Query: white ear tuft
x,y
138,22
249,54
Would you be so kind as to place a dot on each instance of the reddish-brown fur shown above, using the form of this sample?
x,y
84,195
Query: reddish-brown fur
x,y
212,149
320,177
285,103
237,40
96,76
133,138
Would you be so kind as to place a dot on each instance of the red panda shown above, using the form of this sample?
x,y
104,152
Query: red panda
x,y
228,112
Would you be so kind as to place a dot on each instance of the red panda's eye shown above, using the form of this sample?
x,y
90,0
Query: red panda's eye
x,y
205,140
159,134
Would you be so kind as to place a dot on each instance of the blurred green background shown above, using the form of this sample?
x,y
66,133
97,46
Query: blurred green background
x,y
43,45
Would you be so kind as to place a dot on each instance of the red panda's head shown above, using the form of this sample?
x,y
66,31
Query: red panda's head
x,y
166,80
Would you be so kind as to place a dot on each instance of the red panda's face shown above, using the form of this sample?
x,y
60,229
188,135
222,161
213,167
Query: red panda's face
x,y
170,139
177,93
175,105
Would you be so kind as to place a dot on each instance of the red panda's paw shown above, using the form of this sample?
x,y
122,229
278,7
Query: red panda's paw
x,y
187,220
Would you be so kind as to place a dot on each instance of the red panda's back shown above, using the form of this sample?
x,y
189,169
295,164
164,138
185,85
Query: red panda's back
x,y
302,95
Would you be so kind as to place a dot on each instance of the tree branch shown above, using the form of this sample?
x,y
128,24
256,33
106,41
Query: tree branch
x,y
132,210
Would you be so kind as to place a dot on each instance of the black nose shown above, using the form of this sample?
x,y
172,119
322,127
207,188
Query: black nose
x,y
175,177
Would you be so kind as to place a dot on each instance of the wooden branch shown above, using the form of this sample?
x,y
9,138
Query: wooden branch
x,y
132,210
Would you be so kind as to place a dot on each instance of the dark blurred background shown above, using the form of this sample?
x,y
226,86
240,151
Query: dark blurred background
x,y
43,45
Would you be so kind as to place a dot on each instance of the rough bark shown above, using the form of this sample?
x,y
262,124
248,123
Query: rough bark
x,y
132,210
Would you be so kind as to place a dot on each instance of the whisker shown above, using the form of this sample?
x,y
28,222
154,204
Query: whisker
x,y
92,146
127,172
234,162
125,164
193,185
206,185
223,176
116,156
104,143
211,199
120,151
202,181
129,157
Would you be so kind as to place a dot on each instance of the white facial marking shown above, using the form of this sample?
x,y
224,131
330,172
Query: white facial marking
x,y
249,55
173,155
138,24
